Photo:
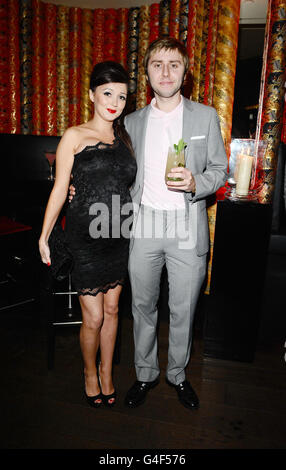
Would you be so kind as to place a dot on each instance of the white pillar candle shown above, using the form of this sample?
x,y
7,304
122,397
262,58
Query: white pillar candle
x,y
244,174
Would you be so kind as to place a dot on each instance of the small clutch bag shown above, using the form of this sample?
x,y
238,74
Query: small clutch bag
x,y
61,257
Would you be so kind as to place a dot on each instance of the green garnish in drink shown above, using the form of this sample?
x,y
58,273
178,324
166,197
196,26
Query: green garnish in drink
x,y
180,147
177,159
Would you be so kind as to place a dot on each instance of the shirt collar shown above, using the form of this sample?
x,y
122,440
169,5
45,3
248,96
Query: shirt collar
x,y
158,113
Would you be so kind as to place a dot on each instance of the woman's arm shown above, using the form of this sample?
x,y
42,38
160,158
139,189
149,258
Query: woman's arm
x,y
64,163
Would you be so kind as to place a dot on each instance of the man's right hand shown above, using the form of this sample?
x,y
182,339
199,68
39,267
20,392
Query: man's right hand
x,y
71,192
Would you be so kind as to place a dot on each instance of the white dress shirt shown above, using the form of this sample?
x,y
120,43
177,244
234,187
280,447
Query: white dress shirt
x,y
163,131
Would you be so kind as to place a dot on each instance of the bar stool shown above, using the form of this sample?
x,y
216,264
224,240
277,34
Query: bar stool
x,y
70,311
67,315
70,315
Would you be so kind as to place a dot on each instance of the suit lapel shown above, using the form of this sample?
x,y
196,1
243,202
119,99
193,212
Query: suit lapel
x,y
187,126
140,141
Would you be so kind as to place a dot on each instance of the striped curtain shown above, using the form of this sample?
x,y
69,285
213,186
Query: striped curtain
x,y
48,51
272,94
283,134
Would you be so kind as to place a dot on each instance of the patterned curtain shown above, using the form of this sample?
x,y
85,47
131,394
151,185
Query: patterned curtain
x,y
47,53
272,94
4,68
74,66
37,67
283,134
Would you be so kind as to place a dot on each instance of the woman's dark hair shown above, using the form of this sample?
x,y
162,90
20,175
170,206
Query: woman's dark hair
x,y
112,72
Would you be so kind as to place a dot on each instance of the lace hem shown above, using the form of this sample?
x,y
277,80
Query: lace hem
x,y
95,290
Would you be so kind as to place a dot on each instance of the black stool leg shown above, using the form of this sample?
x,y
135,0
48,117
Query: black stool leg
x,y
47,300
51,330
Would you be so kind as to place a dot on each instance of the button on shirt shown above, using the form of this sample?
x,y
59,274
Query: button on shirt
x,y
163,131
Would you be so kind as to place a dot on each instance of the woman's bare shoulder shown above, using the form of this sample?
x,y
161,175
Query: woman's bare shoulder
x,y
73,132
71,137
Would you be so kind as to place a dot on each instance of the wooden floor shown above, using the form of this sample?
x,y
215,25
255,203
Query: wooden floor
x,y
243,406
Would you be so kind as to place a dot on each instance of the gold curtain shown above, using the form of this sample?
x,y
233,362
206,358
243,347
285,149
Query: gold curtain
x,y
56,47
4,68
62,69
13,108
144,32
270,115
37,67
86,63
198,45
50,66
225,63
74,66
26,66
223,88
122,33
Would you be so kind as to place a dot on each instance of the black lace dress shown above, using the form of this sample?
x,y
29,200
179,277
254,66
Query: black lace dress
x,y
99,217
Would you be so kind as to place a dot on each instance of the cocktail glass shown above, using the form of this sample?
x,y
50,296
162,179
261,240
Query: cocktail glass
x,y
174,160
51,156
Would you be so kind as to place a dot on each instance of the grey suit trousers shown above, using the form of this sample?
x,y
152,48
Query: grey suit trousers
x,y
156,244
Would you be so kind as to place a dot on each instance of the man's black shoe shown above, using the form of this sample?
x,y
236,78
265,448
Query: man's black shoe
x,y
138,392
186,394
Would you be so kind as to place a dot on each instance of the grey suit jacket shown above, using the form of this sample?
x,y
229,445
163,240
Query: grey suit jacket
x,y
205,158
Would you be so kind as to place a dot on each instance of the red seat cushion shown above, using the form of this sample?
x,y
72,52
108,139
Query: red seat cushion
x,y
8,226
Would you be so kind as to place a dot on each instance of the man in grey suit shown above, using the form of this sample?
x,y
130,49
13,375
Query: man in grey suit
x,y
170,220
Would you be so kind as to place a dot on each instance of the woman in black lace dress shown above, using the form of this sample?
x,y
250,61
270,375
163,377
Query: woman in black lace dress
x,y
99,156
